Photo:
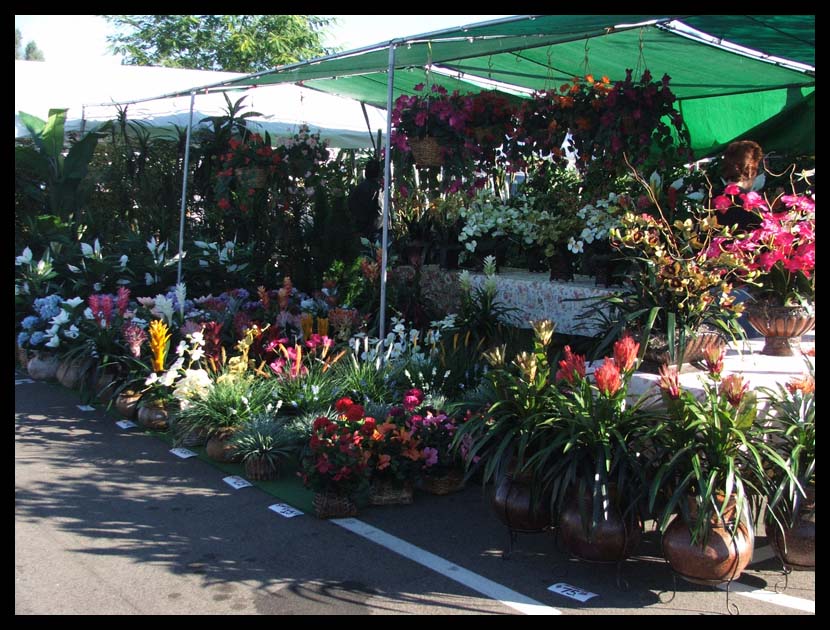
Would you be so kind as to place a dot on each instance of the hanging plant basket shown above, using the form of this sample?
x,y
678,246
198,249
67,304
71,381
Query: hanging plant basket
x,y
426,151
252,176
492,135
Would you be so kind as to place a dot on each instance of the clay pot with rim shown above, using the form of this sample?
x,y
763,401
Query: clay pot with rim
x,y
516,505
613,539
781,326
796,546
43,366
219,447
153,416
721,558
127,403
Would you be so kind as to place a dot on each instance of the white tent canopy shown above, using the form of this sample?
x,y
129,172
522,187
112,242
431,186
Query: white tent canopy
x,y
40,86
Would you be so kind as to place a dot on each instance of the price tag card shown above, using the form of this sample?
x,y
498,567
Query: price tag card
x,y
237,482
126,424
184,453
284,510
21,381
571,591
86,407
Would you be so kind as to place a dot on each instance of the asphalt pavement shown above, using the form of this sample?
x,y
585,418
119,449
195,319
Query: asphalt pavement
x,y
109,522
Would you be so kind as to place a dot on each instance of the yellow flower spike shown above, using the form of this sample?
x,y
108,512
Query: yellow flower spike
x,y
323,326
159,340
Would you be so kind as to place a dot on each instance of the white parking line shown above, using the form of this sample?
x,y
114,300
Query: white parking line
x,y
779,599
491,589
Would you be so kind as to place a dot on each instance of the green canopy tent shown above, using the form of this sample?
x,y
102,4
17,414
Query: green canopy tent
x,y
763,83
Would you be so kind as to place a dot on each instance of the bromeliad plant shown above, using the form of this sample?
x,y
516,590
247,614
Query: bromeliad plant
x,y
586,441
713,453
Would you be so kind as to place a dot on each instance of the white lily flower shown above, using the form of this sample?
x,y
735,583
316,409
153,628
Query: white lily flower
x,y
181,348
151,379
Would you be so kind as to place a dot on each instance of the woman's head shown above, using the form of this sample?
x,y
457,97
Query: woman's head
x,y
740,162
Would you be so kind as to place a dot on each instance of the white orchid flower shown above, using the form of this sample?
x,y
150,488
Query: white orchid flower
x,y
25,258
72,332
54,342
60,318
88,313
75,301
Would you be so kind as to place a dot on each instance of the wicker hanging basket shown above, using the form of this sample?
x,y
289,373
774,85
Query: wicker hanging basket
x,y
252,176
426,151
330,505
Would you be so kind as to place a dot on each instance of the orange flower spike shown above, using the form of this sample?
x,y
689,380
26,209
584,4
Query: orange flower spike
x,y
298,363
323,326
625,352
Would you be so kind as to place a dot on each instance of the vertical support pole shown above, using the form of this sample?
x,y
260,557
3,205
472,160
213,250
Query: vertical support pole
x,y
387,185
184,188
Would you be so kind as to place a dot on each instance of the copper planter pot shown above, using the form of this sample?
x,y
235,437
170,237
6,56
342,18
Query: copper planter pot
x,y
127,403
782,327
516,506
220,449
796,546
153,417
612,540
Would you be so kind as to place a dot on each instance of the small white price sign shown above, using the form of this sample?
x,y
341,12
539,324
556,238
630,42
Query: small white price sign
x,y
284,510
571,591
21,381
237,482
184,453
86,407
126,424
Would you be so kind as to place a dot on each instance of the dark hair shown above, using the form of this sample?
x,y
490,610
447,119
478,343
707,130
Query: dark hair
x,y
740,162
372,169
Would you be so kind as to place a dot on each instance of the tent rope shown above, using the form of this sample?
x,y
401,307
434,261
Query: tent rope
x,y
585,60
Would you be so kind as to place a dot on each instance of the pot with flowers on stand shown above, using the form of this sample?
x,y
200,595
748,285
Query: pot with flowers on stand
x,y
712,459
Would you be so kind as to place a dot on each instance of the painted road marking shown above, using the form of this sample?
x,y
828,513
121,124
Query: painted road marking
x,y
491,589
779,599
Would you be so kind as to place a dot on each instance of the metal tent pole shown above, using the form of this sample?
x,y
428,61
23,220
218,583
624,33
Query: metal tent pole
x,y
184,188
387,185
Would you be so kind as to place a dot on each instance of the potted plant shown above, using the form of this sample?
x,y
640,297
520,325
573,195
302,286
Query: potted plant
x,y
781,253
497,437
442,467
711,460
263,443
586,454
791,507
334,462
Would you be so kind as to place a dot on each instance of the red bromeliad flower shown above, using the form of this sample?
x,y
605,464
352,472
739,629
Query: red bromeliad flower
x,y
669,381
713,357
625,352
734,388
607,377
571,367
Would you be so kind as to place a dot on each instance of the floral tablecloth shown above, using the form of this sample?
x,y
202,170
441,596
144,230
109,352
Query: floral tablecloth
x,y
534,294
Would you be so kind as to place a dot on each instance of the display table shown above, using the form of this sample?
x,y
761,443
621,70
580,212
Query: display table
x,y
745,358
533,294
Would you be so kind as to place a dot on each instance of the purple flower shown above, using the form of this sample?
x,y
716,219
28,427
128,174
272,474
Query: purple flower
x,y
431,456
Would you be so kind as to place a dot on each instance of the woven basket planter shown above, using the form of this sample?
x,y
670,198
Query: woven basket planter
x,y
426,151
330,505
453,481
390,492
261,469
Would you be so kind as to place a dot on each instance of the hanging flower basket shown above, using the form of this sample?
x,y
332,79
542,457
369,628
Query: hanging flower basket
x,y
252,177
426,151
492,135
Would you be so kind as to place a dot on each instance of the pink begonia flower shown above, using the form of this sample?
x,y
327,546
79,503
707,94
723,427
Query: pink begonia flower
x,y
732,189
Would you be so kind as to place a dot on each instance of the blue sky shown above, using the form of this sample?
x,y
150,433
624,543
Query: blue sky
x,y
81,39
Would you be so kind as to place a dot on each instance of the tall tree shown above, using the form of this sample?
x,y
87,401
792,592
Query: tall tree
x,y
234,43
31,53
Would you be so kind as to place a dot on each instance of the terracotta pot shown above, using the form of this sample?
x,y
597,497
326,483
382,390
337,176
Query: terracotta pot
x,y
782,326
262,469
796,546
43,366
721,559
153,417
71,372
612,540
220,449
126,403
516,506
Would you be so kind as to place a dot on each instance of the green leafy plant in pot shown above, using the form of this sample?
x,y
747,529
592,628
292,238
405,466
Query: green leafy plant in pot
x,y
712,461
587,454
263,444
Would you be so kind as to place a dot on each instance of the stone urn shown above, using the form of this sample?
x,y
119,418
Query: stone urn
x,y
43,366
781,326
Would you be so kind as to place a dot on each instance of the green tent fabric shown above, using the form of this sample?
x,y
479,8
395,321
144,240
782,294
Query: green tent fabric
x,y
722,94
787,36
